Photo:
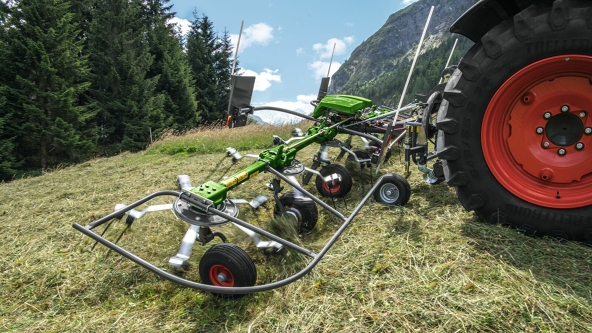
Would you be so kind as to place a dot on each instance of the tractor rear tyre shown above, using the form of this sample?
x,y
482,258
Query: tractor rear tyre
x,y
515,125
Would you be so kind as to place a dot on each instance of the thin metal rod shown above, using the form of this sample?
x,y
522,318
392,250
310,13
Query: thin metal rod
x,y
305,192
449,58
415,60
237,45
397,139
363,135
130,207
385,115
331,62
273,108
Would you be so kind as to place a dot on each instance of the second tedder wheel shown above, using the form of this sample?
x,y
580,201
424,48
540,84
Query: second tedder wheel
x,y
303,210
516,122
393,190
340,184
227,265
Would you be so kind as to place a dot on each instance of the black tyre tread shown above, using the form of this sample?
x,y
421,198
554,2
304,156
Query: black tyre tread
x,y
503,51
401,183
308,210
246,272
346,180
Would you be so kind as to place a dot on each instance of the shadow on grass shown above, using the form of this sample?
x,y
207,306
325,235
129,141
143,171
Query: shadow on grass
x,y
564,264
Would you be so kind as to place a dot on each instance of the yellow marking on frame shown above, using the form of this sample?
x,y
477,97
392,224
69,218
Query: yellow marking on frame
x,y
254,174
242,176
229,182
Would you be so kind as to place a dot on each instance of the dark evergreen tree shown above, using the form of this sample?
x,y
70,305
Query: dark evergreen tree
x,y
223,66
170,64
201,46
4,10
129,107
8,164
43,75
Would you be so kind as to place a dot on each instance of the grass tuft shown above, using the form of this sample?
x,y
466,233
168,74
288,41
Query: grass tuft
x,y
216,138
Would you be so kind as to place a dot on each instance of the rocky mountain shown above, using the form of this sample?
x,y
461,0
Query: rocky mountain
x,y
376,68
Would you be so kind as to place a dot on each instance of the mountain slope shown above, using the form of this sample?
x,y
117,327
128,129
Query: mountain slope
x,y
379,66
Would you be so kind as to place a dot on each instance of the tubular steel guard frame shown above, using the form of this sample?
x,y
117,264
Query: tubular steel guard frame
x,y
316,257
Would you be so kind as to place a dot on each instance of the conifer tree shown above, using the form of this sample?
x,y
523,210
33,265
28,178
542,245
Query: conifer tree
x,y
130,109
201,46
223,67
43,76
170,64
7,159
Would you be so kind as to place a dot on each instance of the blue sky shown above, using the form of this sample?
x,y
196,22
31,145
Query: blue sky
x,y
288,44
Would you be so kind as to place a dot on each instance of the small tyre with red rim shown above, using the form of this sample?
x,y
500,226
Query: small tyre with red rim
x,y
227,265
338,190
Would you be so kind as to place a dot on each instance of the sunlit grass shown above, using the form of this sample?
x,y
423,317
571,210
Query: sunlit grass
x,y
429,266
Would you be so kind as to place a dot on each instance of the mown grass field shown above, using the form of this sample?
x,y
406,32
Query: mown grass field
x,y
426,267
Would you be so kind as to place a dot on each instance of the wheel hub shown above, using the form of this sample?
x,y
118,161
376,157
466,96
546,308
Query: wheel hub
x,y
221,276
536,133
389,193
564,129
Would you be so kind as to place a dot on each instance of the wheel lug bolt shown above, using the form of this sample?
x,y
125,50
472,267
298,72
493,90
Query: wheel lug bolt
x,y
588,130
547,115
540,130
579,146
562,152
582,114
565,108
546,145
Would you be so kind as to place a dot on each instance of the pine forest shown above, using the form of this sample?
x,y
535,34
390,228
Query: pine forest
x,y
88,78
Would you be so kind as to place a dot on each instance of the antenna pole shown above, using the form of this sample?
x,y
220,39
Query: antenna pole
x,y
331,62
237,45
414,61
449,58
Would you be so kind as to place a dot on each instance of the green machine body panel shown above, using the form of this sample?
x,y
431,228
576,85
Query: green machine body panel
x,y
347,104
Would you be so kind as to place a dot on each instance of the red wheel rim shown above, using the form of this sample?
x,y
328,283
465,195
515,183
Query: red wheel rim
x,y
221,276
531,135
331,189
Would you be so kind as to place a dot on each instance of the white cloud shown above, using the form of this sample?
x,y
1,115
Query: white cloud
x,y
406,2
301,105
320,68
182,24
326,50
300,51
257,34
264,79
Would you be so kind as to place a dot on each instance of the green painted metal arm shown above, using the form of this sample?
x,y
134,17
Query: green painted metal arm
x,y
278,157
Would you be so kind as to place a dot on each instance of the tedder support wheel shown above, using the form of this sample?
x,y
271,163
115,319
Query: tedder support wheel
x,y
393,190
227,265
338,188
303,210
515,125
